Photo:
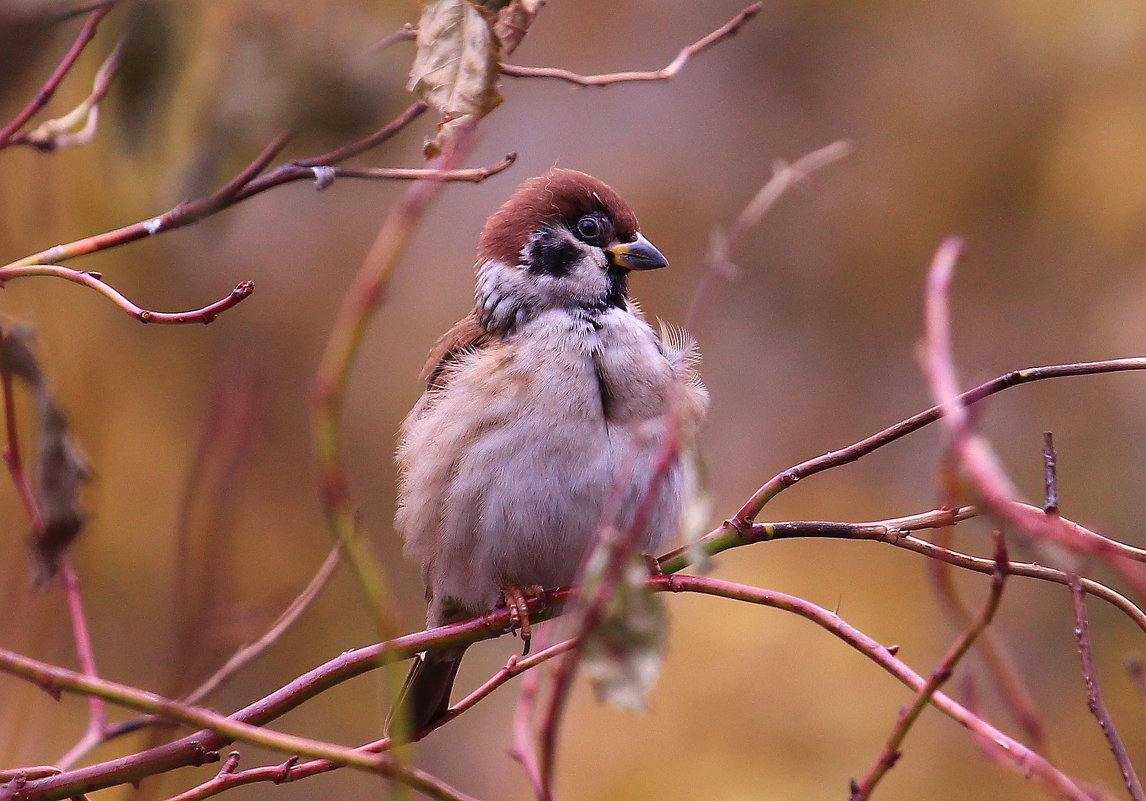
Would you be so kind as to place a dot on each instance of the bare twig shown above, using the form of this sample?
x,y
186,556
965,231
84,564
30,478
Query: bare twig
x,y
1050,474
514,667
524,748
78,126
472,174
247,653
197,748
908,715
12,457
407,33
974,453
726,30
358,307
81,635
1022,759
1094,698
84,8
891,532
86,34
291,770
784,177
85,655
251,181
56,679
851,453
206,314
993,652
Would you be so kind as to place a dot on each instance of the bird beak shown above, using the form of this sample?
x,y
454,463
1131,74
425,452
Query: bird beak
x,y
636,255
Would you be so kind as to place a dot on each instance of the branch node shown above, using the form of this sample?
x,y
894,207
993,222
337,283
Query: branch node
x,y
284,773
324,176
231,764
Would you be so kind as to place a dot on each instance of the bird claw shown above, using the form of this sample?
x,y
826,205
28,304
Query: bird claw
x,y
517,599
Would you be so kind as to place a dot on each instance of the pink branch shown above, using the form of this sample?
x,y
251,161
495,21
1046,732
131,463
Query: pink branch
x,y
86,34
206,314
1022,759
726,30
1094,698
975,455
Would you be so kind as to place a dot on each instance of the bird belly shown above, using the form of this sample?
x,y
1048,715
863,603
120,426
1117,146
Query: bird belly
x,y
516,495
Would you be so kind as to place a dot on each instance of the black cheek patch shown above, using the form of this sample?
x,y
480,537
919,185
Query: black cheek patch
x,y
552,254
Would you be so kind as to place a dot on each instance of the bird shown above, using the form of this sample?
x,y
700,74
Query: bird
x,y
536,416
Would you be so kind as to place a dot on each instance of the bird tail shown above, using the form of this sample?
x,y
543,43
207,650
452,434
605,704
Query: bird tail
x,y
425,696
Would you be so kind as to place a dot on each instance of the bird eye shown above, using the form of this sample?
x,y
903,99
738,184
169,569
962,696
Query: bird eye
x,y
590,227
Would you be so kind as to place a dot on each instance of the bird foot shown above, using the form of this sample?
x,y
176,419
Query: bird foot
x,y
517,599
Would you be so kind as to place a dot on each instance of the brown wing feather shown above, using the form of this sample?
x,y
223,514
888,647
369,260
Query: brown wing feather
x,y
466,335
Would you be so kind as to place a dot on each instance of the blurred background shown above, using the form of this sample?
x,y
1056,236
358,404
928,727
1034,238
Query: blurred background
x,y
1019,126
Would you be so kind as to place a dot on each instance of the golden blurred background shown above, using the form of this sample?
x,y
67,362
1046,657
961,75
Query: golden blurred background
x,y
1019,126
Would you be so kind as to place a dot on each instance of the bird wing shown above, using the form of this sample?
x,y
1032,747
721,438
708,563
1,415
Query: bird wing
x,y
465,336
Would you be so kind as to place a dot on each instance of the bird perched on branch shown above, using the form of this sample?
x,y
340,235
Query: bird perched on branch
x,y
545,407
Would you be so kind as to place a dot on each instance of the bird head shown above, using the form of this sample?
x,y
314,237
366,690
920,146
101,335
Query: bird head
x,y
563,239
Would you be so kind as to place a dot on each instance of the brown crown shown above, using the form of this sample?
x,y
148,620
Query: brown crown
x,y
558,196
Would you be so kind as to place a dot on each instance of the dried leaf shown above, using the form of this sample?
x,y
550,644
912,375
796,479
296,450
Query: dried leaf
x,y
624,654
513,21
61,469
16,356
60,465
456,68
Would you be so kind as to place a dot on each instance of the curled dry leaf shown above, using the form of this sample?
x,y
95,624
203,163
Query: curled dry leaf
x,y
457,65
60,466
513,20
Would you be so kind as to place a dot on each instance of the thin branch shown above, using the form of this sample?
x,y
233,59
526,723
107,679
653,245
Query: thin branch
x,y
992,651
55,679
248,653
974,453
1094,698
1026,762
244,655
85,655
291,770
199,747
78,126
195,748
84,8
514,667
407,33
726,30
86,34
81,635
851,453
359,304
524,750
472,174
1050,474
907,716
12,457
246,184
784,177
206,314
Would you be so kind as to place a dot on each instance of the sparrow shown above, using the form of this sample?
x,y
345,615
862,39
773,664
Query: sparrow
x,y
536,417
